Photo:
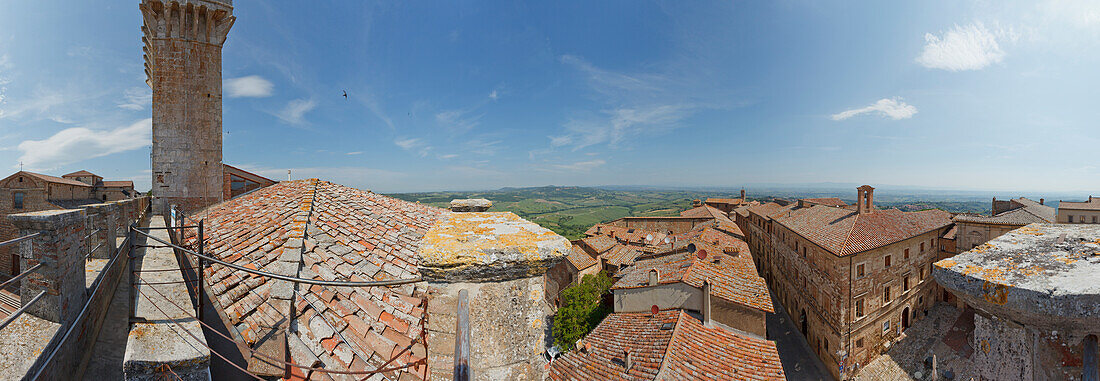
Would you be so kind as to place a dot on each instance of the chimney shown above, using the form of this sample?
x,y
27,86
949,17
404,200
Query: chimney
x,y
865,199
653,277
706,303
696,203
626,360
742,195
1042,201
470,205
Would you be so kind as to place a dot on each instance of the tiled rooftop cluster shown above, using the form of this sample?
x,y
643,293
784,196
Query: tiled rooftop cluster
x,y
341,234
668,345
729,268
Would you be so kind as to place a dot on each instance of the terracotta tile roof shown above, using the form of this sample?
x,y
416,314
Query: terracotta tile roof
x,y
844,232
634,236
342,234
80,173
621,254
1092,204
639,333
669,345
771,209
951,232
580,259
827,201
599,244
1025,212
730,268
700,353
56,180
724,200
119,183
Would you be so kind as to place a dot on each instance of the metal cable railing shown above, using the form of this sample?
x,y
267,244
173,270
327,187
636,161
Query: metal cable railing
x,y
277,361
16,240
21,275
92,296
377,283
22,309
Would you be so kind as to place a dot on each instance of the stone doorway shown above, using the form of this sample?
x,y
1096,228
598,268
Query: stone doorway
x,y
905,318
802,322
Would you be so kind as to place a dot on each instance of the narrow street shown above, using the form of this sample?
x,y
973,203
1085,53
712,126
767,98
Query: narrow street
x,y
799,361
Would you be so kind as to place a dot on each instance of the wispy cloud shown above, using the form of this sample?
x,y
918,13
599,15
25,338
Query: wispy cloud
x,y
969,47
252,86
42,104
580,166
893,108
413,145
136,98
448,156
80,143
295,111
458,121
355,153
493,95
635,105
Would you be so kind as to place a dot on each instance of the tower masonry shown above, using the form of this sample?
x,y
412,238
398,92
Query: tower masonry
x,y
183,62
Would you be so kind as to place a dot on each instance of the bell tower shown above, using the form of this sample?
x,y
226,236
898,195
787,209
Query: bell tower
x,y
183,65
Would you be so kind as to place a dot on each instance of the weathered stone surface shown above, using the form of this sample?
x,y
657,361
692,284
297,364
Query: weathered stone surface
x,y
470,205
1043,274
508,329
488,246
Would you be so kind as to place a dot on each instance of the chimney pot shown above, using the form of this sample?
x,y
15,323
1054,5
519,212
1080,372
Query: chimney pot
x,y
1042,201
471,205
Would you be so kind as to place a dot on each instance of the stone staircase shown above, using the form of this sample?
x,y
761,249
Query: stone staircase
x,y
9,302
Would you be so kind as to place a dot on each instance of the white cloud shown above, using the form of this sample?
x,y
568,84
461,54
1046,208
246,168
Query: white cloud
x,y
893,108
40,105
355,153
413,145
79,143
969,47
580,166
448,156
136,98
493,95
295,111
252,86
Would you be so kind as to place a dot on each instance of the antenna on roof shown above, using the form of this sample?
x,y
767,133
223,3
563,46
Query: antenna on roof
x,y
20,166
288,175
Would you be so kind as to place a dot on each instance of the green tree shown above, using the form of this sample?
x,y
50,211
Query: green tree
x,y
581,309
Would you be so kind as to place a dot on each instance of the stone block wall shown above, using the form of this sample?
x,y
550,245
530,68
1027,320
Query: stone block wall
x,y
183,63
503,345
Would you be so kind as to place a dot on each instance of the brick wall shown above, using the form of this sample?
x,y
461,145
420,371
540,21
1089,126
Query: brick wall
x,y
34,200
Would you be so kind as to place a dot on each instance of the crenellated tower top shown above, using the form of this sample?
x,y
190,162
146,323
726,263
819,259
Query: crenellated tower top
x,y
205,21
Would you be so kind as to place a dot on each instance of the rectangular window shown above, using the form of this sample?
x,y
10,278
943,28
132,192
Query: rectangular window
x,y
859,308
859,271
922,247
1069,218
859,343
905,284
1094,219
886,295
907,253
886,261
921,274
17,200
886,326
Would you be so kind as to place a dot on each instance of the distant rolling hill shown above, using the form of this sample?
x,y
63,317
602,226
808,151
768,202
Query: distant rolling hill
x,y
570,211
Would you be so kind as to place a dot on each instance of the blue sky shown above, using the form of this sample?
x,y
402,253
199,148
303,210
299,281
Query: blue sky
x,y
478,95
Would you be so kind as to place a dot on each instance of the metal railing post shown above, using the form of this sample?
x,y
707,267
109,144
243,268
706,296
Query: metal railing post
x,y
130,247
462,338
199,269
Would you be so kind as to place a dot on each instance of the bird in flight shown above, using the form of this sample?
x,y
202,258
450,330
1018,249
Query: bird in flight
x,y
345,94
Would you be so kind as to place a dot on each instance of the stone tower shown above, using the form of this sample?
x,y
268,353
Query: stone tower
x,y
183,65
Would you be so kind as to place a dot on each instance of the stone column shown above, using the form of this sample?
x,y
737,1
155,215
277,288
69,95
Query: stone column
x,y
104,218
60,246
499,259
